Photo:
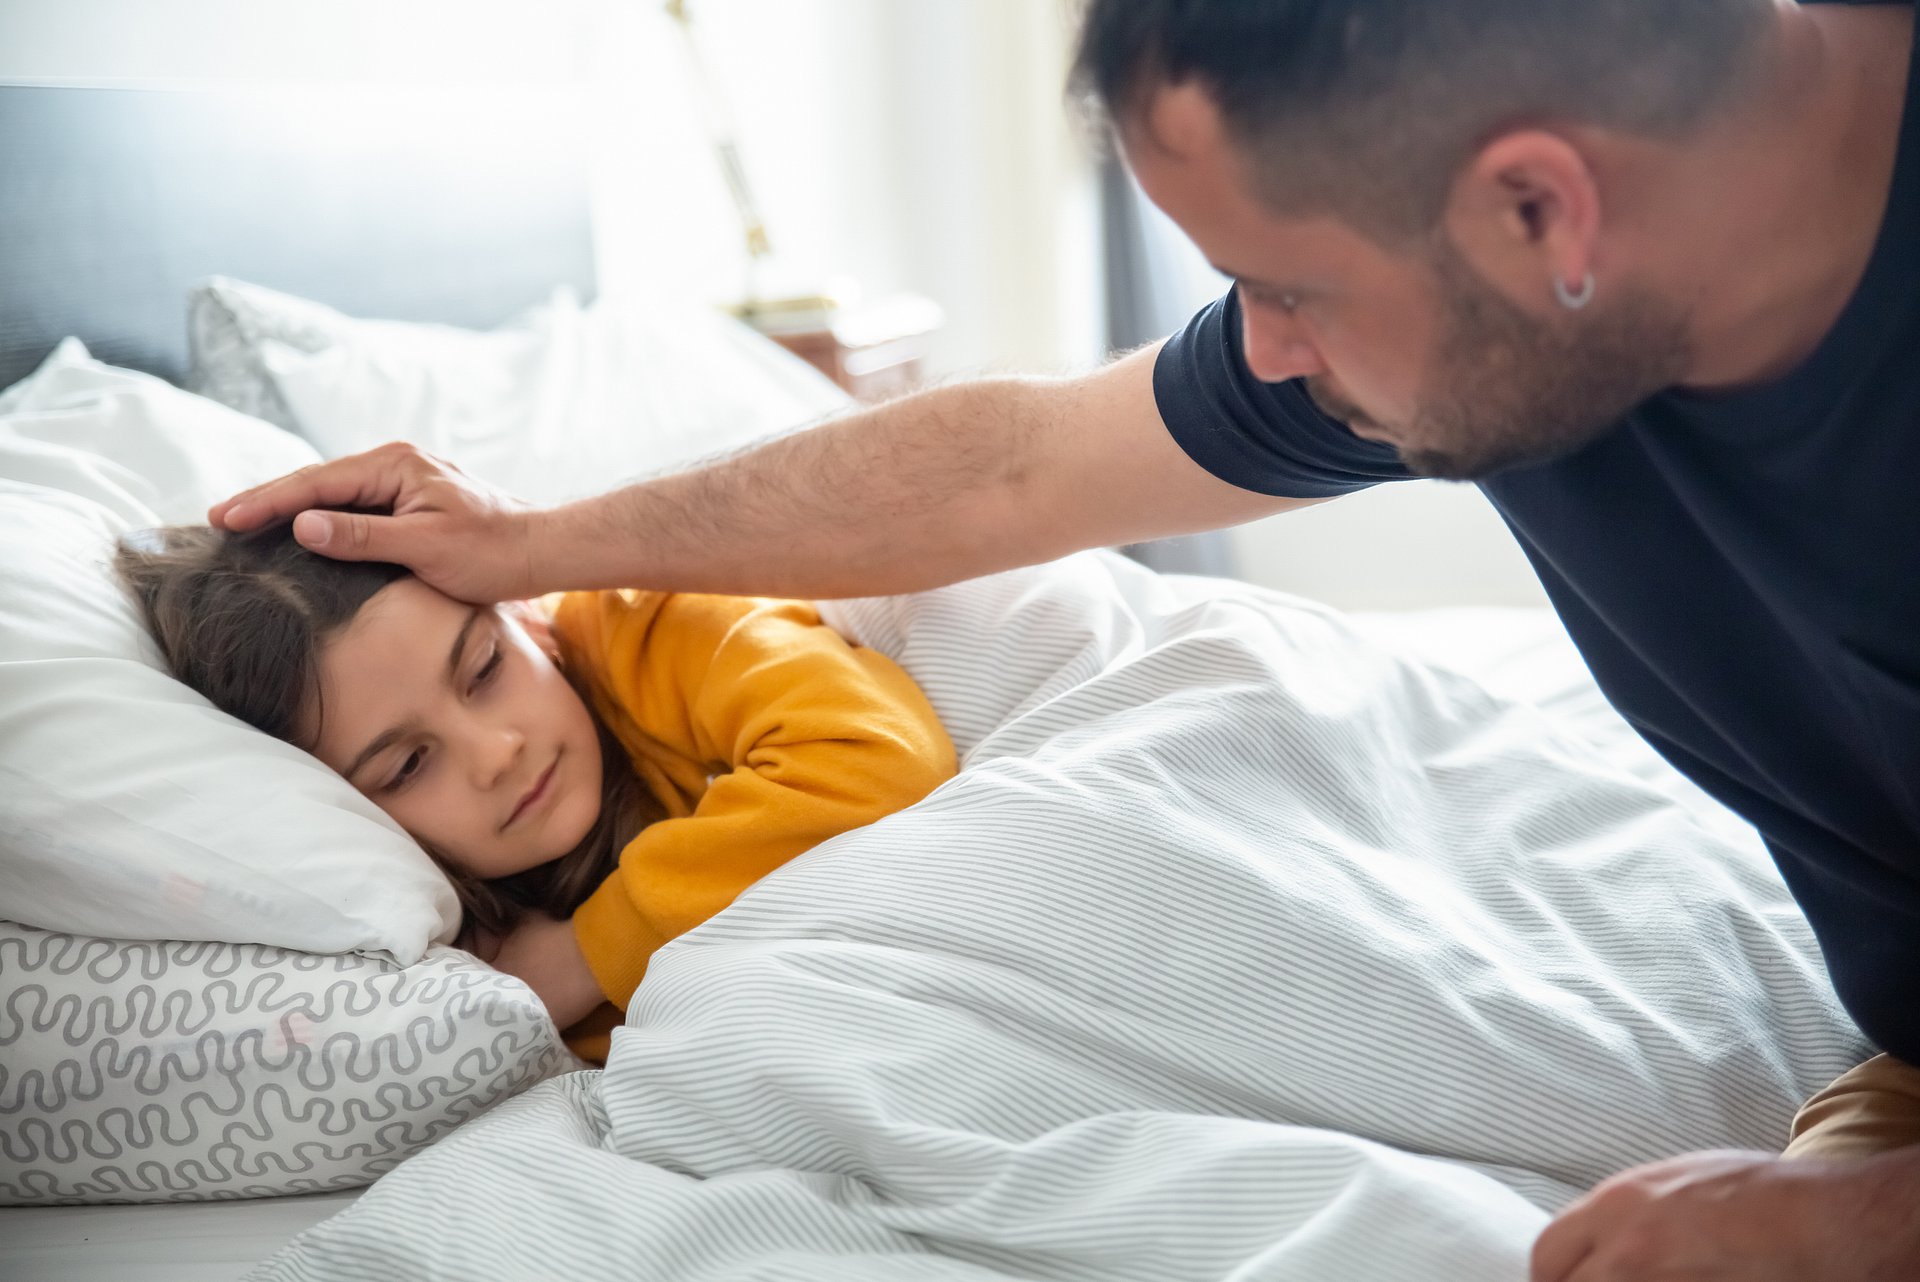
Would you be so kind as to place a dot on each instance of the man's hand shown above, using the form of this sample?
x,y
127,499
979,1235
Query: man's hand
x,y
460,535
1742,1217
542,951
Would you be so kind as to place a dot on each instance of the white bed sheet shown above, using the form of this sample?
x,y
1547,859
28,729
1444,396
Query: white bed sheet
x,y
170,1242
1518,653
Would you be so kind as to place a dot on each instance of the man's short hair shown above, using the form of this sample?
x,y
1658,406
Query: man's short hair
x,y
1366,109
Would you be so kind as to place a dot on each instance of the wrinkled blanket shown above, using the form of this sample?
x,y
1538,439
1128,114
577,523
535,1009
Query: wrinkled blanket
x,y
1240,948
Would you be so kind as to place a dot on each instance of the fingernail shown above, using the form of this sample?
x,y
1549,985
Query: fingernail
x,y
312,529
235,514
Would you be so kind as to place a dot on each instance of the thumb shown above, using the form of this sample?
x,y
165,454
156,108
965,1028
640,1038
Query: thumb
x,y
345,536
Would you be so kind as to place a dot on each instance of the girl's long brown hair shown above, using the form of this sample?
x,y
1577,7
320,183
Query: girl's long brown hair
x,y
242,618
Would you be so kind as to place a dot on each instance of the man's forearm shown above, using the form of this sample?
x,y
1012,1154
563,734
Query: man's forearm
x,y
924,491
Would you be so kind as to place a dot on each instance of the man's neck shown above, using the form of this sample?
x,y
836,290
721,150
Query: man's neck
x,y
1787,197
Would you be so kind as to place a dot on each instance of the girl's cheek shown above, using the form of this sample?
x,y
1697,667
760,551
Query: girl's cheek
x,y
414,810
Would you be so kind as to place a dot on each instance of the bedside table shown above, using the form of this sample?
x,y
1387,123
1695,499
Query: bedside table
x,y
872,350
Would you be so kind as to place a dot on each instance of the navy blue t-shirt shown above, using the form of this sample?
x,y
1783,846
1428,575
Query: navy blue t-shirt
x,y
1741,572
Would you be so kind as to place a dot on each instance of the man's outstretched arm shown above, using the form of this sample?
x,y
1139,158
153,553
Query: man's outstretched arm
x,y
951,483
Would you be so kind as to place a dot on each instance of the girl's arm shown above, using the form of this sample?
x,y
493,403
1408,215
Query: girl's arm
x,y
803,736
541,951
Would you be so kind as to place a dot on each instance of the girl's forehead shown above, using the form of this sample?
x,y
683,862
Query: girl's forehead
x,y
404,621
404,602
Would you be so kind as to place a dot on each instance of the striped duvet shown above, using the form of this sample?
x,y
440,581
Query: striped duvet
x,y
1241,948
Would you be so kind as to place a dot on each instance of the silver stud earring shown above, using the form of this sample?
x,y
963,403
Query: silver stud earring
x,y
1574,300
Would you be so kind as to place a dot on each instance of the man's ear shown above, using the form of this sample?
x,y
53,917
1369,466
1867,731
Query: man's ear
x,y
1525,213
534,621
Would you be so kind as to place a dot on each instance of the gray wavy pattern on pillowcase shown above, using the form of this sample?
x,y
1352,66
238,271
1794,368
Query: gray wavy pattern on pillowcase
x,y
216,1130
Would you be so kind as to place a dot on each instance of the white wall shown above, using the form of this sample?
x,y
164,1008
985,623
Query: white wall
x,y
904,144
908,144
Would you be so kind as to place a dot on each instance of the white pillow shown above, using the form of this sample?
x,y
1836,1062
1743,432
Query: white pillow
x,y
129,806
154,453
153,1072
135,809
563,402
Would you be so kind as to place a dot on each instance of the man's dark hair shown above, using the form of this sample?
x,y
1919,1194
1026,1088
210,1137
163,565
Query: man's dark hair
x,y
1366,109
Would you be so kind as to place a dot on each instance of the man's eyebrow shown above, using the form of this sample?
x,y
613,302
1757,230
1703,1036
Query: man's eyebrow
x,y
1234,276
385,739
1251,282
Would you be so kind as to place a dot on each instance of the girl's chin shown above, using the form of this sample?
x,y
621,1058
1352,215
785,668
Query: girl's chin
x,y
574,822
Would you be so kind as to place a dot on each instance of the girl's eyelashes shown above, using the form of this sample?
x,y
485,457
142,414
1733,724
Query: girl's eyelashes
x,y
409,770
488,668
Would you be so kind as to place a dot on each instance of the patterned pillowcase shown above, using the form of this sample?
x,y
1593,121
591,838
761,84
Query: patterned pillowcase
x,y
168,1071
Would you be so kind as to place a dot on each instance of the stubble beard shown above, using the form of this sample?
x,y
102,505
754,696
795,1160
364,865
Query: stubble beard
x,y
1519,392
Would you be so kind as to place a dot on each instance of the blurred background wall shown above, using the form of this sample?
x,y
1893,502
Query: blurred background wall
x,y
903,145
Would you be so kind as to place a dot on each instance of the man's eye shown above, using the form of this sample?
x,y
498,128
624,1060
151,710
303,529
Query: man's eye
x,y
412,766
1279,300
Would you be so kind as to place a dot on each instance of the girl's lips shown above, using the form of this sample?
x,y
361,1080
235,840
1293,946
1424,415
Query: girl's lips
x,y
535,795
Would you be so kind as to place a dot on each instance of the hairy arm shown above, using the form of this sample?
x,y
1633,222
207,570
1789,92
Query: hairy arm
x,y
952,483
945,485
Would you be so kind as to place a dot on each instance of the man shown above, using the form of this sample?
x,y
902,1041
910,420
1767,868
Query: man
x,y
1648,272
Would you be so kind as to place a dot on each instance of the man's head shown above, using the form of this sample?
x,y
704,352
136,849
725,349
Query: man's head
x,y
1409,194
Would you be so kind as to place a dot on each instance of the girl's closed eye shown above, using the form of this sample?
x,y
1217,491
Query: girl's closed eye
x,y
409,771
489,668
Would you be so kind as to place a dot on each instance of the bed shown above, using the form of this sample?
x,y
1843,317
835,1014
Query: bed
x,y
885,1151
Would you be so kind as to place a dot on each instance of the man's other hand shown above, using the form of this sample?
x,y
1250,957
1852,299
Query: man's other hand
x,y
1749,1217
464,537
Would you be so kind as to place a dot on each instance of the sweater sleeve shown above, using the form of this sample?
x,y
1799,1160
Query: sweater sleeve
x,y
803,736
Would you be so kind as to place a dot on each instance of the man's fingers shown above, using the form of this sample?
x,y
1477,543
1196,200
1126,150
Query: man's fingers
x,y
363,480
1561,1247
348,536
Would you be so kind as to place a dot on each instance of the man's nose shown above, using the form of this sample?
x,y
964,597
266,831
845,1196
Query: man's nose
x,y
1277,348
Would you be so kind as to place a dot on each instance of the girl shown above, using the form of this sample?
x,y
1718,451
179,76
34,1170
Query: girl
x,y
595,774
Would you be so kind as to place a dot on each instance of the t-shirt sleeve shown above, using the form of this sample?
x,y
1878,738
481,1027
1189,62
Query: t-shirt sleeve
x,y
1265,437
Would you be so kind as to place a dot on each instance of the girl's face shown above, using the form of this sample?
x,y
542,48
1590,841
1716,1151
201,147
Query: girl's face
x,y
456,721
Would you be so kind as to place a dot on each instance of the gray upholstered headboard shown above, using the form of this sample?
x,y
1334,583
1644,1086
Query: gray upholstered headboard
x,y
452,204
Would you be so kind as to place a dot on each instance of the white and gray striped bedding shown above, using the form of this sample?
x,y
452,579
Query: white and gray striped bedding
x,y
1240,949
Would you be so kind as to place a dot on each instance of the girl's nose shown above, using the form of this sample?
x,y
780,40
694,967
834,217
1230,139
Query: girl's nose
x,y
497,753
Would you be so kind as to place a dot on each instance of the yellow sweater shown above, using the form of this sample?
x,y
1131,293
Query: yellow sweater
x,y
762,733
